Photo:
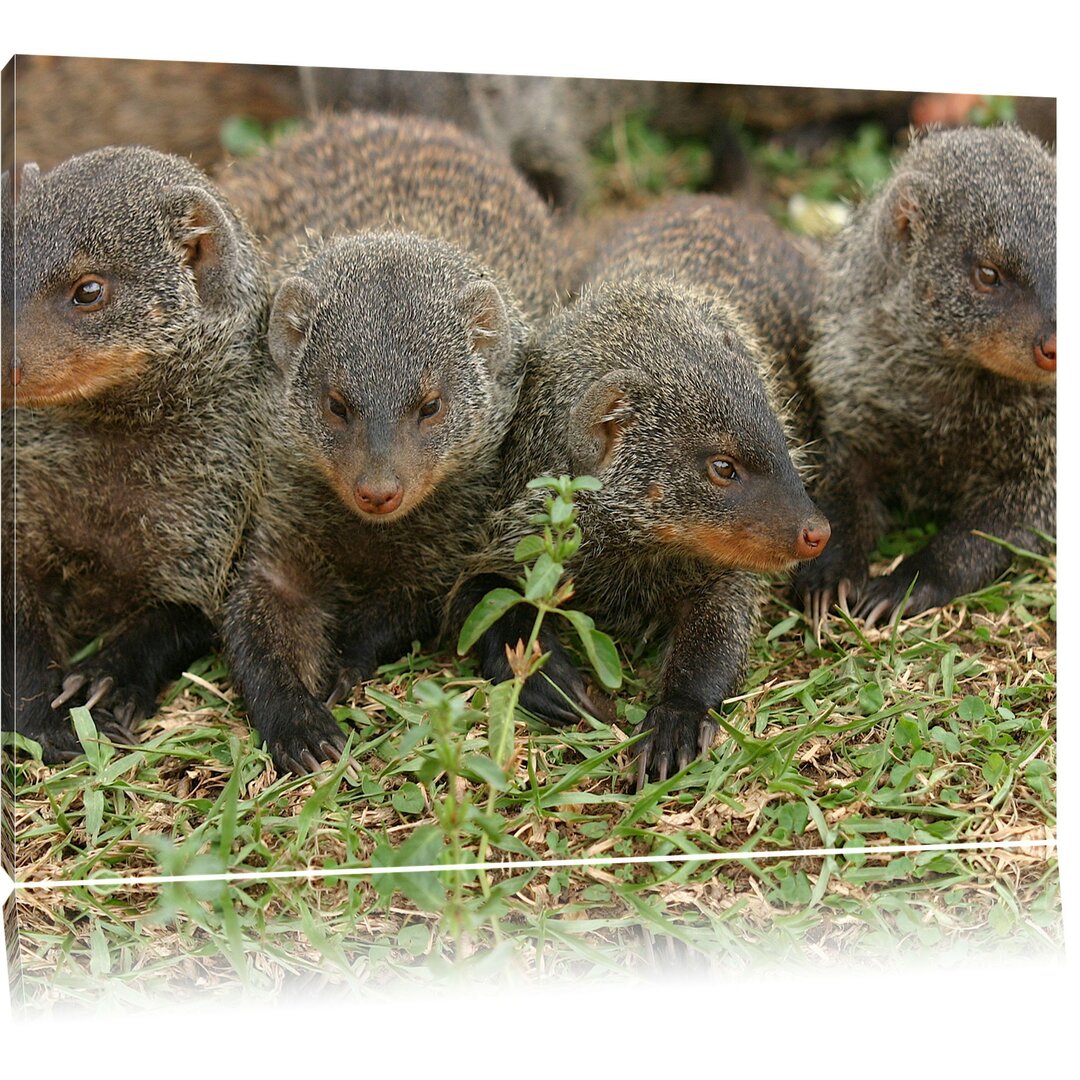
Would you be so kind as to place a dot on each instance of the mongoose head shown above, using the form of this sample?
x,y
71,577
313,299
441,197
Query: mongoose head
x,y
403,360
967,228
128,266
678,425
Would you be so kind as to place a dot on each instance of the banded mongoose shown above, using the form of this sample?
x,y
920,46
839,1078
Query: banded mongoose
x,y
770,278
934,364
140,383
403,354
660,391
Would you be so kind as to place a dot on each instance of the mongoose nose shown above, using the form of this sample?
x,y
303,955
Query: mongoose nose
x,y
378,500
1046,353
812,539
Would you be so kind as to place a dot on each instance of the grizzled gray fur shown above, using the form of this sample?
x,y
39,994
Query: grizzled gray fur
x,y
140,383
934,365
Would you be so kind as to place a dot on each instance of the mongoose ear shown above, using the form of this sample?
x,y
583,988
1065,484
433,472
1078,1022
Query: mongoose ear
x,y
489,324
597,422
207,241
290,321
907,210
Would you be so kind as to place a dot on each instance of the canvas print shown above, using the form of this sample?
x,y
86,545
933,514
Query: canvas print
x,y
411,469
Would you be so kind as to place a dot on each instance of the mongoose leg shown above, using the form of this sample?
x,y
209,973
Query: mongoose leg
x,y
839,573
953,563
120,684
31,680
374,636
278,633
694,681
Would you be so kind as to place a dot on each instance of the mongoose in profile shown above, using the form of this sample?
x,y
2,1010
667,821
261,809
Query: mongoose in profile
x,y
661,392
140,383
403,354
934,362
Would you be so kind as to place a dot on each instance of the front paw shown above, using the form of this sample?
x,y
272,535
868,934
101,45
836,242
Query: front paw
x,y
557,693
883,597
117,709
836,575
680,733
55,735
300,744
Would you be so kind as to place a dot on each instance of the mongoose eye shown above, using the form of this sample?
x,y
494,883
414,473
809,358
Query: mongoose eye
x,y
431,407
90,294
337,407
987,277
720,471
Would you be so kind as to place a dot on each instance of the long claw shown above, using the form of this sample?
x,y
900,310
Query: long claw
x,y
342,688
311,762
642,770
69,688
706,734
663,768
99,690
876,612
683,760
116,732
124,715
327,749
843,591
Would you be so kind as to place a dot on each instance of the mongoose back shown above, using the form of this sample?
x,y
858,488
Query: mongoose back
x,y
662,393
767,277
140,380
365,171
934,363
403,349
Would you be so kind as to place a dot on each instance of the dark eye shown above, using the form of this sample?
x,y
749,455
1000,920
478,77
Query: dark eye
x,y
431,407
337,407
90,293
721,471
986,276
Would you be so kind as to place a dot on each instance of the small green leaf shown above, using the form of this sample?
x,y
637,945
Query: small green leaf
x,y
94,804
543,578
871,699
482,617
586,483
782,627
502,700
528,547
94,744
414,939
995,769
971,708
485,769
408,799
599,648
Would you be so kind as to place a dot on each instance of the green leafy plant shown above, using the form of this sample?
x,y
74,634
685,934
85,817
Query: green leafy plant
x,y
544,586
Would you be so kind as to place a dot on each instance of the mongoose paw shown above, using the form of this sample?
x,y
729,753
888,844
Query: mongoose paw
x,y
557,693
833,577
882,598
680,733
57,738
304,744
117,710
